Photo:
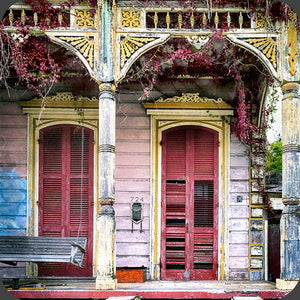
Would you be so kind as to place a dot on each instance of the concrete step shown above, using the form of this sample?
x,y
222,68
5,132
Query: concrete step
x,y
121,298
247,298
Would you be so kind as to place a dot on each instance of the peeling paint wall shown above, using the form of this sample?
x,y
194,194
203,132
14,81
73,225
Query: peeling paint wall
x,y
238,211
13,178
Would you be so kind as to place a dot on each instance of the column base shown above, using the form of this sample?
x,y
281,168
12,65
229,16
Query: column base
x,y
282,284
106,283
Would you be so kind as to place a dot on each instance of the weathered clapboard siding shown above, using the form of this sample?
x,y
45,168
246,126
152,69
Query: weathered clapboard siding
x,y
132,184
124,223
13,180
124,210
238,211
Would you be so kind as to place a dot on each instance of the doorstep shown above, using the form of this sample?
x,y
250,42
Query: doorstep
x,y
156,290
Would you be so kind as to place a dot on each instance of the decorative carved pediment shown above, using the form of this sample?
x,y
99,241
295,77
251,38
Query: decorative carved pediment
x,y
189,100
65,99
189,97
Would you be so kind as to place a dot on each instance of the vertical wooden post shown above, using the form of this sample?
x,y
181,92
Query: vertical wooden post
x,y
290,219
105,268
105,262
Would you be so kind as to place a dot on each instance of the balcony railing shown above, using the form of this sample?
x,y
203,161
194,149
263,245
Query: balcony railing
x,y
77,17
198,19
143,19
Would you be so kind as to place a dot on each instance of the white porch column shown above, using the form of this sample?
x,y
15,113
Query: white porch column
x,y
105,266
290,219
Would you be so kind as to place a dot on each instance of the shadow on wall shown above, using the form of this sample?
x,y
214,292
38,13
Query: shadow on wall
x,y
13,203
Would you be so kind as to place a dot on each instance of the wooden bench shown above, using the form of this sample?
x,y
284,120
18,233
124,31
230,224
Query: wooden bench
x,y
42,249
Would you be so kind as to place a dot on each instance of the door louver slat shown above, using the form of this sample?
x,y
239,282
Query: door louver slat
x,y
79,201
52,156
175,251
52,201
204,204
204,154
175,164
79,152
175,203
203,251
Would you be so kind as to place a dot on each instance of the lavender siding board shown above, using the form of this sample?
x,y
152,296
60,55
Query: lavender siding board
x,y
123,236
138,159
130,109
8,144
13,156
124,209
233,198
13,132
15,121
237,238
13,180
132,184
132,122
134,134
125,223
239,173
127,261
238,262
239,186
132,172
238,211
130,146
132,248
239,249
238,224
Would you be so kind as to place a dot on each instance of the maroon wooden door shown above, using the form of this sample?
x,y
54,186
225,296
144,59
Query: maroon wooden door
x,y
66,191
189,204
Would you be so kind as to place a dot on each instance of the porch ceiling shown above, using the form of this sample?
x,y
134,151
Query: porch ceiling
x,y
216,79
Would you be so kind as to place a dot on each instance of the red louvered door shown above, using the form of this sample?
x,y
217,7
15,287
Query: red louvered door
x,y
66,191
189,204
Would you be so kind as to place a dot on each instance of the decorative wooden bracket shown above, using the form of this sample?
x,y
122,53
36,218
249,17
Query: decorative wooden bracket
x,y
131,47
82,45
265,47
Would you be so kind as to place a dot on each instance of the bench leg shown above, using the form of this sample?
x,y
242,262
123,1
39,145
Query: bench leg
x,y
15,283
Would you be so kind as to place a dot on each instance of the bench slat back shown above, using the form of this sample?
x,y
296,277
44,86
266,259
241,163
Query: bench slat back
x,y
42,249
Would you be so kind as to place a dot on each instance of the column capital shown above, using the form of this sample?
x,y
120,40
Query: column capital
x,y
106,201
290,90
107,209
291,205
107,86
107,148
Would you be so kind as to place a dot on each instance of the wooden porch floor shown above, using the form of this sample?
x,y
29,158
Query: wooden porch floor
x,y
85,289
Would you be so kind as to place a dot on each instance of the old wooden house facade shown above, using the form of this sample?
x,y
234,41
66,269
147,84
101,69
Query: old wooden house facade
x,y
161,184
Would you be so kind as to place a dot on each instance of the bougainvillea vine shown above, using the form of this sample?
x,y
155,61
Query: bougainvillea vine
x,y
29,54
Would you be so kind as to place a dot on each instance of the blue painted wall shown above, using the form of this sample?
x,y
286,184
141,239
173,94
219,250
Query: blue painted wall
x,y
13,203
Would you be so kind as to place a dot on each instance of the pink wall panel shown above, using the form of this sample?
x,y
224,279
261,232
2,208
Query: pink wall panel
x,y
135,159
132,184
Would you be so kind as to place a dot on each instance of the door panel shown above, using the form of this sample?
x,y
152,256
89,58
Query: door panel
x,y
189,204
66,191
